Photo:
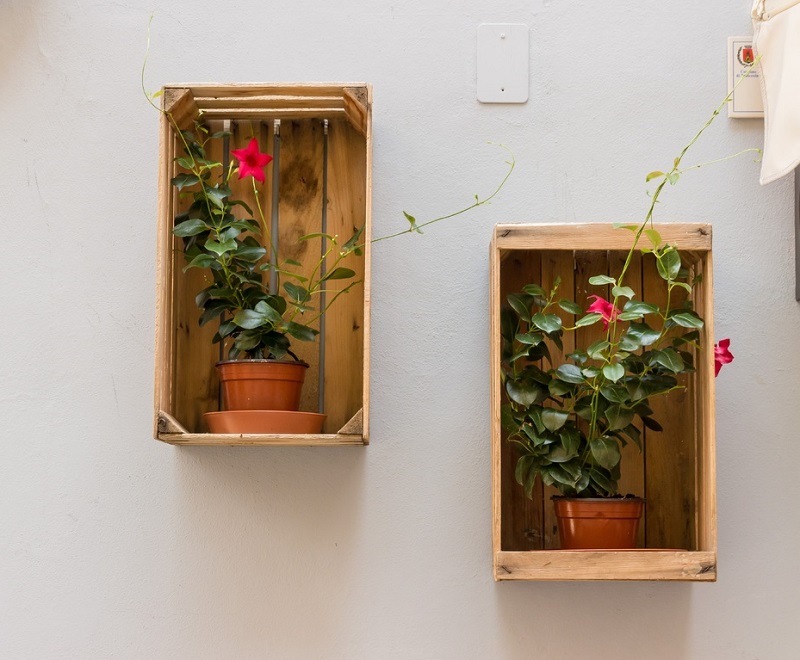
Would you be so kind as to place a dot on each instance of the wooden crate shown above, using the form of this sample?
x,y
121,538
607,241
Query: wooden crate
x,y
312,121
676,470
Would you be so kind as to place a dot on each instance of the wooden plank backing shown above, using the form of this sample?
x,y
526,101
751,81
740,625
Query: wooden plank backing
x,y
606,565
670,468
345,319
557,264
522,525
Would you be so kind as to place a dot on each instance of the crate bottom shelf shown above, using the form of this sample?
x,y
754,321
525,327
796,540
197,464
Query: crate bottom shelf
x,y
648,564
284,440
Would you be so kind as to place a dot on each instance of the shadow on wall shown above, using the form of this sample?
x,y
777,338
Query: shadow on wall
x,y
265,541
621,620
17,27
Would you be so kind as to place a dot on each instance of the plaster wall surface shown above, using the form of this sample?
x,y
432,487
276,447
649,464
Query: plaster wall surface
x,y
114,545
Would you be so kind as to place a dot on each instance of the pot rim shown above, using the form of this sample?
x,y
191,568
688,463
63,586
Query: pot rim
x,y
299,363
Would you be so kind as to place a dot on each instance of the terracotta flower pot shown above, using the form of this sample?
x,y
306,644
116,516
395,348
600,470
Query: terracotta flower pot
x,y
588,523
261,384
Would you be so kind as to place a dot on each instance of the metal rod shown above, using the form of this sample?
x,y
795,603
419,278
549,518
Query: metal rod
x,y
226,161
322,296
276,161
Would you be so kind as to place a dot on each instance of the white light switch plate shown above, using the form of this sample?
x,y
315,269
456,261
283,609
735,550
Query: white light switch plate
x,y
746,103
503,55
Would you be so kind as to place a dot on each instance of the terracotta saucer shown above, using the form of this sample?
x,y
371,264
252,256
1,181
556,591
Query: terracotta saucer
x,y
264,422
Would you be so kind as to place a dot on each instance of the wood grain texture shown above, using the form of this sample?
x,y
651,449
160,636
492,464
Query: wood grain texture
x,y
606,565
683,475
599,236
231,439
670,466
186,382
557,264
632,477
522,518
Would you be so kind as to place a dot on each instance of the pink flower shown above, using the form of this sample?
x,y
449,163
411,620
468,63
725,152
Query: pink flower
x,y
605,308
251,161
721,355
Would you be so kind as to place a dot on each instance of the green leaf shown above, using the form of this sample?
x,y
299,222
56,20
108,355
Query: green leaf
x,y
652,424
653,175
217,195
605,451
301,332
316,234
622,225
569,306
643,334
668,358
184,180
569,373
531,339
413,222
292,262
613,372
614,393
249,253
523,392
622,291
669,264
640,307
600,280
339,274
618,418
589,319
249,320
687,320
220,248
519,305
559,387
297,293
546,322
202,260
534,290
673,177
553,419
190,227
269,312
653,236
595,349
629,316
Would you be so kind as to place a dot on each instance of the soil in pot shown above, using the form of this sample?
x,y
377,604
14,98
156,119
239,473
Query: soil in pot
x,y
261,384
595,523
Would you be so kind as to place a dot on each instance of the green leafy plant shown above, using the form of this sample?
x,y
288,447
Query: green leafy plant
x,y
570,421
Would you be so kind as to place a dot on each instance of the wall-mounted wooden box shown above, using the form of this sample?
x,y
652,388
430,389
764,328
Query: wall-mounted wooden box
x,y
676,470
321,137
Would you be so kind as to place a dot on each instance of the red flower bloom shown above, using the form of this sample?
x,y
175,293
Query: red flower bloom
x,y
602,306
722,355
251,161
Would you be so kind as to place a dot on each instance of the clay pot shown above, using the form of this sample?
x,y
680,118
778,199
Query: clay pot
x,y
594,523
261,384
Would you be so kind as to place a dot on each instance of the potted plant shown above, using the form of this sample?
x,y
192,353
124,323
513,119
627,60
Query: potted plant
x,y
261,303
570,420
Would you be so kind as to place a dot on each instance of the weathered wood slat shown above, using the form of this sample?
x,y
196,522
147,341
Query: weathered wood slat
x,y
606,565
599,236
227,439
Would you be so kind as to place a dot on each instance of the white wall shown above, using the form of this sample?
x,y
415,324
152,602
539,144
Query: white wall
x,y
114,545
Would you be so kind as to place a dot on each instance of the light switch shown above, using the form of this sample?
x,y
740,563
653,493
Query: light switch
x,y
503,55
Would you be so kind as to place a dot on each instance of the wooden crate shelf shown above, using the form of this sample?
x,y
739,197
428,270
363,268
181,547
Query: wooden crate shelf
x,y
311,121
676,470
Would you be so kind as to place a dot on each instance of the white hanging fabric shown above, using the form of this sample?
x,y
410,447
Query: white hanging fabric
x,y
776,39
